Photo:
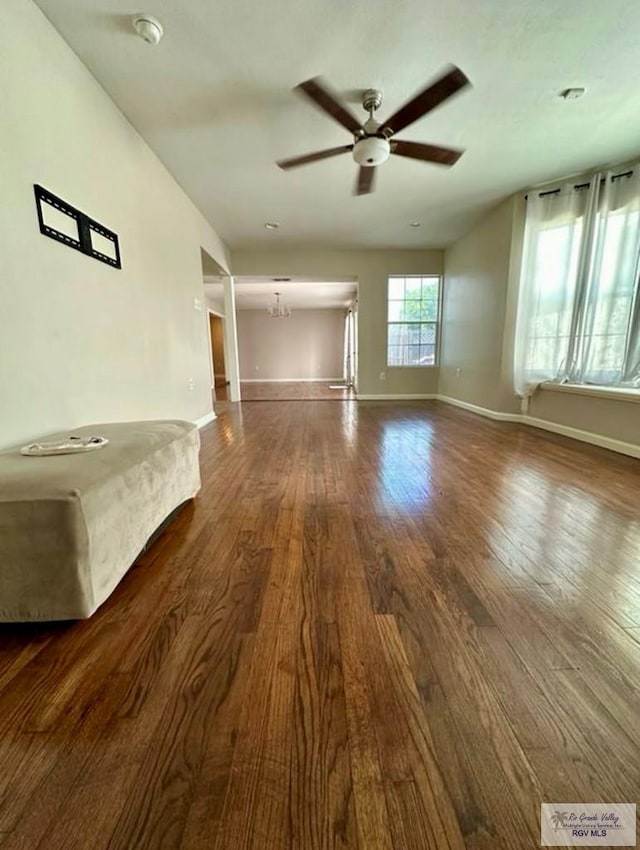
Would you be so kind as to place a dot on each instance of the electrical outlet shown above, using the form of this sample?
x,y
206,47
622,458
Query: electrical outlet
x,y
458,372
383,376
257,368
190,384
197,305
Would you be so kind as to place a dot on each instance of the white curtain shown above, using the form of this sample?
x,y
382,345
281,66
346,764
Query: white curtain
x,y
578,308
606,336
349,364
346,351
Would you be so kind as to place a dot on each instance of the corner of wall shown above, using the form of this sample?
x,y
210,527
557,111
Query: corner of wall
x,y
476,280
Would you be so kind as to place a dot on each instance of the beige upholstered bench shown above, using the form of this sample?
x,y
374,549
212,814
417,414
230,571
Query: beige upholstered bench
x,y
72,525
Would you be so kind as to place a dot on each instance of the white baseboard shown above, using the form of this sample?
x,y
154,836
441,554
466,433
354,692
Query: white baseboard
x,y
204,420
396,397
584,436
603,442
289,380
481,411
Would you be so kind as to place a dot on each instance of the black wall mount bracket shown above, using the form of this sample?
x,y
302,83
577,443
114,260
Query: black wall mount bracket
x,y
81,231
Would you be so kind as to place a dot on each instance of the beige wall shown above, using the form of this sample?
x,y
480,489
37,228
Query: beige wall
x,y
82,342
619,420
372,269
215,304
309,344
475,297
482,273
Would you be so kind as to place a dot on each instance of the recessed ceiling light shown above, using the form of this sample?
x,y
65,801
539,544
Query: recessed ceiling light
x,y
271,225
415,224
572,94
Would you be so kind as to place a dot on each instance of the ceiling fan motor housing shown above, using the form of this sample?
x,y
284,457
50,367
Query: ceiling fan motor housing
x,y
371,151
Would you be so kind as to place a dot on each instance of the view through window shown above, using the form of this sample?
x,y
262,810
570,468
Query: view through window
x,y
579,297
412,320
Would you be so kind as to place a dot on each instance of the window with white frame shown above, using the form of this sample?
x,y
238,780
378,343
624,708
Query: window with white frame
x,y
579,300
413,313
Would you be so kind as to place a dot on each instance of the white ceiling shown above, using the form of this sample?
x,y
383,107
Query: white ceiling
x,y
214,101
299,293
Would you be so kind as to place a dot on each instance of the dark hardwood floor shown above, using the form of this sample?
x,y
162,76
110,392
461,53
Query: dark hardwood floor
x,y
378,626
295,391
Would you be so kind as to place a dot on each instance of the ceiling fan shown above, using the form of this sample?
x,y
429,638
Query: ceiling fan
x,y
372,141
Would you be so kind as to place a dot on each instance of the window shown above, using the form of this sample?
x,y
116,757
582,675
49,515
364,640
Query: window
x,y
412,321
555,273
579,301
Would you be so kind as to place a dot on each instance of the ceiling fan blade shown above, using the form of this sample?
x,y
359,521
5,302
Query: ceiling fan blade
x,y
426,100
364,184
427,153
295,161
317,91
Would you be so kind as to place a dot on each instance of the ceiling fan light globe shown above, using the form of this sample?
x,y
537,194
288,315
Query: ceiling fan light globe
x,y
371,151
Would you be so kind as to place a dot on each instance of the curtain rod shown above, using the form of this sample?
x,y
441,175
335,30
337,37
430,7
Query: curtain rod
x,y
581,185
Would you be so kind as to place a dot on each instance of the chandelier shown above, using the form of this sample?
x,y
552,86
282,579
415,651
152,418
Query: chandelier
x,y
278,310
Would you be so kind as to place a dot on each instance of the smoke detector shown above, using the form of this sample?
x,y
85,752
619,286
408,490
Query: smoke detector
x,y
148,28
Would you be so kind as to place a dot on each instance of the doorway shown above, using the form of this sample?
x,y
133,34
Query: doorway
x,y
296,337
218,366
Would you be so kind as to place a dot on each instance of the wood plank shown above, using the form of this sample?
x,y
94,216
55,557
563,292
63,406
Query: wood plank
x,y
406,745
468,796
205,813
373,823
114,770
49,795
164,788
257,803
262,756
322,808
